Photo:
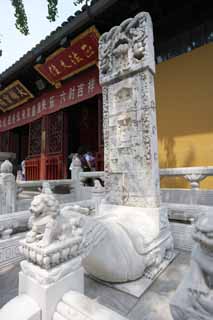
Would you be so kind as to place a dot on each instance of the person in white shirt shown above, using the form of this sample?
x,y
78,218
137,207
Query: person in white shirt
x,y
23,170
90,160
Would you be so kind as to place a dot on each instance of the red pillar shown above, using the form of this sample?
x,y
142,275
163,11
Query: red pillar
x,y
64,138
43,150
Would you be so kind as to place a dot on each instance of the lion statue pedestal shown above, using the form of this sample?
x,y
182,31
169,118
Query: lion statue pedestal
x,y
57,241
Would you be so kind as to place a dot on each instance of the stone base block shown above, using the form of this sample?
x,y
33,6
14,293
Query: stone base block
x,y
48,296
21,308
46,277
136,241
138,287
74,305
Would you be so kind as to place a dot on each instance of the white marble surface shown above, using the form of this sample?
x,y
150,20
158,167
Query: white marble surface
x,y
129,112
21,308
135,239
182,171
57,237
8,283
130,212
7,188
9,250
153,305
117,59
194,296
46,277
47,296
138,287
77,306
182,235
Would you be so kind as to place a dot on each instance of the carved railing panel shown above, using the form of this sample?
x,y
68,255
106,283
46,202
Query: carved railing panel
x,y
13,223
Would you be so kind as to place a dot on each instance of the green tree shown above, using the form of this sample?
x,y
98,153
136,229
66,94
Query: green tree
x,y
21,17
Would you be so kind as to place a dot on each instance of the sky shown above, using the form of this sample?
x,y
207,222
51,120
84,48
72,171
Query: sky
x,y
13,44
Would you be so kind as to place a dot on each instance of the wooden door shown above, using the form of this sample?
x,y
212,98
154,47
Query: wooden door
x,y
55,160
88,126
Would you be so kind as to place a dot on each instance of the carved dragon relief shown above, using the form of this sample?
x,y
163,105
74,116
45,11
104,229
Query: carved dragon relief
x,y
124,45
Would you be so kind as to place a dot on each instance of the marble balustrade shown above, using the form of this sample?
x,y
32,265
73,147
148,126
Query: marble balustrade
x,y
37,184
194,175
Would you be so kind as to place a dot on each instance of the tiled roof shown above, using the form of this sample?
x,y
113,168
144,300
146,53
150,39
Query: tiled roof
x,y
72,24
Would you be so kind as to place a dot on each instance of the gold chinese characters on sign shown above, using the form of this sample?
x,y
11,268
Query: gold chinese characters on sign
x,y
65,62
14,95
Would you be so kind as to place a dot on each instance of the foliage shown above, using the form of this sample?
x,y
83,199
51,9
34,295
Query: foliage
x,y
21,17
76,2
52,9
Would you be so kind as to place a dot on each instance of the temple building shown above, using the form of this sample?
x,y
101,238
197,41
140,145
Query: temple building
x,y
51,99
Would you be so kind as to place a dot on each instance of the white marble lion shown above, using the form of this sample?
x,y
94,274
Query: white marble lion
x,y
48,224
194,297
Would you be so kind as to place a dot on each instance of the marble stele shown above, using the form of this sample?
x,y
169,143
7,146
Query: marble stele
x,y
194,297
137,232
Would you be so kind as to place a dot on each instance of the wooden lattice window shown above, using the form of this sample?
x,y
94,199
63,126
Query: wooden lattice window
x,y
35,138
55,133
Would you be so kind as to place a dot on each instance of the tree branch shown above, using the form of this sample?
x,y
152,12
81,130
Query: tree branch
x,y
20,15
77,2
52,10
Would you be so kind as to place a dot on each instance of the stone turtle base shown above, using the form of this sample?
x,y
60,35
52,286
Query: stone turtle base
x,y
138,287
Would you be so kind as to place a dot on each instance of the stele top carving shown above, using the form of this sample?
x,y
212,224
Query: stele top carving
x,y
126,48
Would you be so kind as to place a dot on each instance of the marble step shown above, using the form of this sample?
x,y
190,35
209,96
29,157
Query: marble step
x,y
77,306
21,308
58,316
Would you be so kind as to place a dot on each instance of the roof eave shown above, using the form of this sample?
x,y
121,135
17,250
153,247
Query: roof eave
x,y
72,26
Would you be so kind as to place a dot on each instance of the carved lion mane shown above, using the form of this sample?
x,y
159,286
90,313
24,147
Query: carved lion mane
x,y
45,212
44,205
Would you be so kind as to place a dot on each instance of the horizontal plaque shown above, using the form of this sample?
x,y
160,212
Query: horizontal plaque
x,y
81,87
65,62
14,95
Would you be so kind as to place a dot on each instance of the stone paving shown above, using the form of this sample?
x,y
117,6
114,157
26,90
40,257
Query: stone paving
x,y
153,305
8,283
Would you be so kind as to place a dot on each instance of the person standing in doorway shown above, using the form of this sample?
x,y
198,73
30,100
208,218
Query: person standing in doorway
x,y
90,160
82,156
23,170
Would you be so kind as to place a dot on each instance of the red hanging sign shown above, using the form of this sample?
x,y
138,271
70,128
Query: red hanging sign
x,y
79,88
65,62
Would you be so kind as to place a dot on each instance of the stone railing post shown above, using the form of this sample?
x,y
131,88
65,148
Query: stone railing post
x,y
194,180
7,188
98,194
76,169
